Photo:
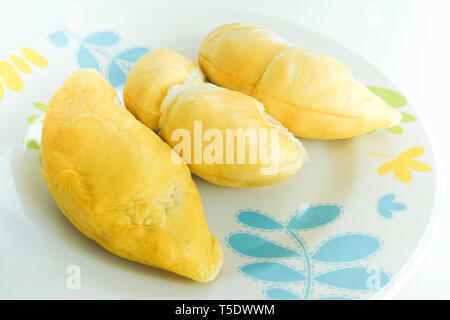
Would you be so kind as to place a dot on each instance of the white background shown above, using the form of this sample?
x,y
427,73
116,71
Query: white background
x,y
407,39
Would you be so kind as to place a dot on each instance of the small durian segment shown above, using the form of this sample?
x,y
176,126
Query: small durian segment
x,y
115,180
151,77
220,110
316,97
313,95
236,55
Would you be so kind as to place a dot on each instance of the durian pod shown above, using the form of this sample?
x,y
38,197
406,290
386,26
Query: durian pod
x,y
150,78
115,180
219,109
233,142
311,94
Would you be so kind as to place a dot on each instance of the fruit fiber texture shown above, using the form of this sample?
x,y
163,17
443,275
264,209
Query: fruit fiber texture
x,y
311,94
150,78
221,110
115,180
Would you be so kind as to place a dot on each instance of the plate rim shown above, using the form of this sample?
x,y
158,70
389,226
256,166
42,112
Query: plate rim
x,y
415,259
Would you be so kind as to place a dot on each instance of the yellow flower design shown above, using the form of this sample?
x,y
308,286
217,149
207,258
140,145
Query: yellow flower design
x,y
11,77
403,164
21,64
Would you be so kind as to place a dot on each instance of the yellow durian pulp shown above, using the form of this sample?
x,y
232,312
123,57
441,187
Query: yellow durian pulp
x,y
190,99
149,80
223,110
116,181
311,94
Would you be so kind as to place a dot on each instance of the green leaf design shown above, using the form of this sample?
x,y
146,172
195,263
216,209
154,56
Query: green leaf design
x,y
32,144
31,119
391,97
40,106
396,130
407,117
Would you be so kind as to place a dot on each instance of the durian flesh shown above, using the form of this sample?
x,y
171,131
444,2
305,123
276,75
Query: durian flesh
x,y
149,80
228,125
311,94
189,100
115,180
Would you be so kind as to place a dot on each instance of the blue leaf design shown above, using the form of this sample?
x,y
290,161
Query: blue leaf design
x,y
104,38
85,58
132,54
355,278
115,75
254,246
314,216
386,205
280,294
258,220
59,38
272,271
348,247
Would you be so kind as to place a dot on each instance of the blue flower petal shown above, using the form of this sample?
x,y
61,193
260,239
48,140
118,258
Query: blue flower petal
x,y
386,205
397,206
104,38
254,246
387,198
258,220
348,247
115,75
132,55
85,58
314,216
272,271
59,38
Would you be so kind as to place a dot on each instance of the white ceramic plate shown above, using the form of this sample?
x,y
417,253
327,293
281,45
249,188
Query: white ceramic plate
x,y
337,229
